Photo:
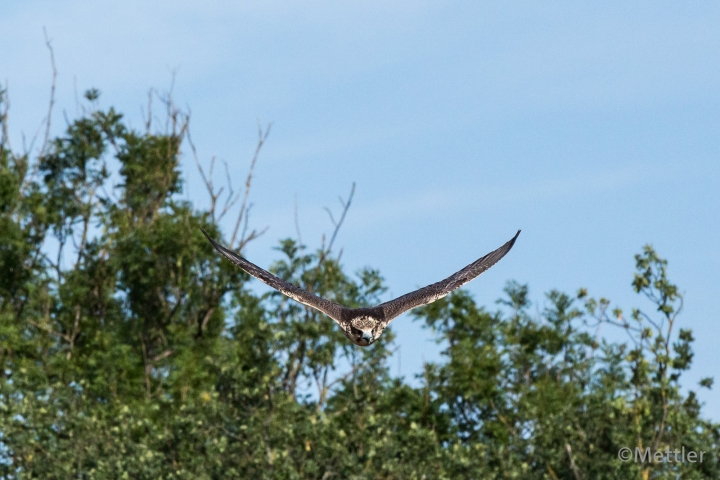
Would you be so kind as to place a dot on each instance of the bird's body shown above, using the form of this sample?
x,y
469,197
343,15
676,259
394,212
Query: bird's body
x,y
364,325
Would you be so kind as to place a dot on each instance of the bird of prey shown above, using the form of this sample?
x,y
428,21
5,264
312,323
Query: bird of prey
x,y
365,325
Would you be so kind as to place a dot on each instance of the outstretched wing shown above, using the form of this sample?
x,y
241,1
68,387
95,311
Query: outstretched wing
x,y
331,309
438,290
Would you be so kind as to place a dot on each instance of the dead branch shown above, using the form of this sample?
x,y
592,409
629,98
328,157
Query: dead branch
x,y
52,95
232,197
78,108
246,238
207,179
345,206
297,223
230,200
148,122
248,181
171,114
5,103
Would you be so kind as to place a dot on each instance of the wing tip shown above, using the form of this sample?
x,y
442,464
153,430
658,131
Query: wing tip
x,y
215,245
206,235
512,240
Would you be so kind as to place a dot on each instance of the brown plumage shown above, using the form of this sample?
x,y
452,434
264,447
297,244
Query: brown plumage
x,y
364,325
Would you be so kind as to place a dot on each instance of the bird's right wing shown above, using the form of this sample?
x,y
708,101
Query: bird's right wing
x,y
438,290
331,309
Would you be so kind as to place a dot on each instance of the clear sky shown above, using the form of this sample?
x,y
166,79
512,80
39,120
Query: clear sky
x,y
594,128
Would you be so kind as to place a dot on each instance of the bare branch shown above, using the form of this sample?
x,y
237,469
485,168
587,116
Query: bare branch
x,y
661,429
624,325
86,217
5,101
206,179
355,368
671,321
49,330
170,104
229,201
164,354
297,223
232,197
52,95
345,206
78,108
574,467
148,122
74,333
248,181
332,219
650,321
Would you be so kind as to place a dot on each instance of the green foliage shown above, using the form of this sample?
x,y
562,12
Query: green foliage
x,y
130,349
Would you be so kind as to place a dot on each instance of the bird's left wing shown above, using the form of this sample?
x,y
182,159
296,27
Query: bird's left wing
x,y
438,290
331,309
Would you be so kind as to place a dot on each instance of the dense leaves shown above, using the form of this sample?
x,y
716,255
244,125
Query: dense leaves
x,y
131,350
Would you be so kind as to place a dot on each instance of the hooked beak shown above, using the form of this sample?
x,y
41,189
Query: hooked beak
x,y
367,337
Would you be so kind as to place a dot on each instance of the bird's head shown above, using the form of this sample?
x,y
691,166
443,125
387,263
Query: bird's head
x,y
364,330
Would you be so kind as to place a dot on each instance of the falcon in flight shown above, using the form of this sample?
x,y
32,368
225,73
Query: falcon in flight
x,y
365,325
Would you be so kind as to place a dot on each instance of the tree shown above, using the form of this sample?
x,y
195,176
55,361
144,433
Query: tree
x,y
131,350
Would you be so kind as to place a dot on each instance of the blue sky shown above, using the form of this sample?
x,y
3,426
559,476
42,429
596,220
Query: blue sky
x,y
594,128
